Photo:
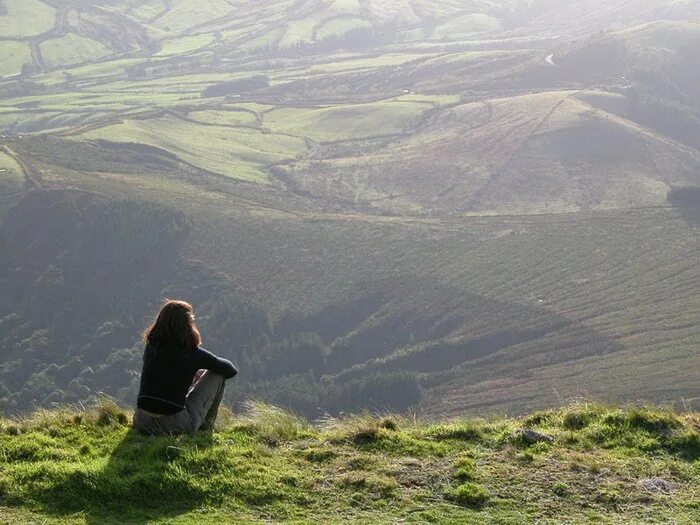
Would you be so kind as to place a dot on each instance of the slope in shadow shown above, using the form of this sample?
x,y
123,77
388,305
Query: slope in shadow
x,y
137,484
687,201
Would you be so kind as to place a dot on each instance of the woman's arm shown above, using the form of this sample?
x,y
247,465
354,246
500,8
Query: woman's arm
x,y
218,365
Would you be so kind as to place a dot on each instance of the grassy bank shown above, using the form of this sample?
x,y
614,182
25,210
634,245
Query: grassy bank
x,y
584,464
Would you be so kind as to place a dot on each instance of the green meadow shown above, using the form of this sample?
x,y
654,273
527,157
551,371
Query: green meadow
x,y
240,153
271,466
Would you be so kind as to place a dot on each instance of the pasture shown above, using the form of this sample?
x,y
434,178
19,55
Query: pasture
x,y
238,153
345,122
15,55
26,18
72,49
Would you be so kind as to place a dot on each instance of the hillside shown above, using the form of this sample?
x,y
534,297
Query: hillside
x,y
426,206
584,464
550,152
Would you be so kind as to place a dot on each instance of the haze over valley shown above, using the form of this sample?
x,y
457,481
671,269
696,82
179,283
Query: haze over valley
x,y
429,206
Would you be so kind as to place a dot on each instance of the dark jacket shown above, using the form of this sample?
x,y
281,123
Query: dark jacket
x,y
168,373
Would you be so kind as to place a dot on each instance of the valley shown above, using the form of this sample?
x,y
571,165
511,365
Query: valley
x,y
420,206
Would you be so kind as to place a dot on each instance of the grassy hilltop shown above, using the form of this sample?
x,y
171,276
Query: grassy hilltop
x,y
583,464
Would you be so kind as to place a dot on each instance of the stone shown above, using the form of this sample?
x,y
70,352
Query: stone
x,y
530,436
659,485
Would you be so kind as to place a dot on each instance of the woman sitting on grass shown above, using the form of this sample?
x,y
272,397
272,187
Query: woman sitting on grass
x,y
181,383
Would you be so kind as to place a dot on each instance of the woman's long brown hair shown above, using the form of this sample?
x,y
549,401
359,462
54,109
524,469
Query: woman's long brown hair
x,y
174,325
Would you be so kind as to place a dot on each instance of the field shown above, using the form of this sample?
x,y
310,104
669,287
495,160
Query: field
x,y
472,202
71,49
26,18
466,26
188,44
605,465
15,54
345,122
240,153
189,13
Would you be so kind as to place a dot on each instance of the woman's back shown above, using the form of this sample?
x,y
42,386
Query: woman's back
x,y
169,400
168,373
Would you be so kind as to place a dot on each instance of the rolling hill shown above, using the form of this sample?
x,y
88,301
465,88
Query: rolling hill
x,y
549,152
441,207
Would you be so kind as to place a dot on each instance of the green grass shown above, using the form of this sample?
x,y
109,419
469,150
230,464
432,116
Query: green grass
x,y
299,32
26,18
140,10
448,164
237,153
349,63
94,72
267,40
340,27
187,44
466,25
347,6
666,35
69,467
345,122
188,13
72,49
15,55
229,117
319,24
435,100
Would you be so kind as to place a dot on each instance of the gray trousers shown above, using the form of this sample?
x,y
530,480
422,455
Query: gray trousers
x,y
201,408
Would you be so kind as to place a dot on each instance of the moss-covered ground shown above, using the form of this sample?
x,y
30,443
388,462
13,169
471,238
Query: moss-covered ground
x,y
269,466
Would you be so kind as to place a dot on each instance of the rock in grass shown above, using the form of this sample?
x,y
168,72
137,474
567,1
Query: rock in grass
x,y
530,437
659,485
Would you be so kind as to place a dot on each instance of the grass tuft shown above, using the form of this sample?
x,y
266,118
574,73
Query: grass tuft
x,y
561,489
274,425
388,423
469,495
461,431
465,469
107,413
